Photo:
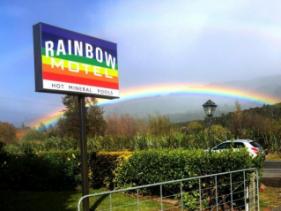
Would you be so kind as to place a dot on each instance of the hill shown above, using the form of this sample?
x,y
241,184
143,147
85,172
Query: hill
x,y
183,107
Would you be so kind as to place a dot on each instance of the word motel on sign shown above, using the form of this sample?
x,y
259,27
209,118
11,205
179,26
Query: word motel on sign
x,y
81,49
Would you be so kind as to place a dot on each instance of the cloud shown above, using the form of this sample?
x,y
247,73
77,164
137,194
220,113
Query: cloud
x,y
181,40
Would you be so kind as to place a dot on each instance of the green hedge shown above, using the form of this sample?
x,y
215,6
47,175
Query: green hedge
x,y
146,167
103,165
61,170
44,171
55,170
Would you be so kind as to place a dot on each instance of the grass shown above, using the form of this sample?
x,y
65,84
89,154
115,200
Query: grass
x,y
67,200
27,200
273,156
270,197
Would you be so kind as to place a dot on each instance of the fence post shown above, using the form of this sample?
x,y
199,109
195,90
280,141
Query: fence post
x,y
245,191
258,192
200,196
138,200
181,193
254,190
161,198
110,202
248,198
231,192
217,199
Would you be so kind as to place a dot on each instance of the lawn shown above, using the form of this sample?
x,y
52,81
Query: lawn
x,y
67,200
273,156
270,197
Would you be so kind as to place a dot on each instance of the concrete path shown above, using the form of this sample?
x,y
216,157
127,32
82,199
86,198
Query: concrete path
x,y
272,169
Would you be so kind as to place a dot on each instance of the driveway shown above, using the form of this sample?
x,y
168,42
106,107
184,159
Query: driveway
x,y
272,169
271,175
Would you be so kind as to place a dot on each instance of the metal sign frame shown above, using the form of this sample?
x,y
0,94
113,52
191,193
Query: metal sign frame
x,y
38,39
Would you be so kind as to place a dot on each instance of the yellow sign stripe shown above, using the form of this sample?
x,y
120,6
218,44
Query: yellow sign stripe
x,y
82,66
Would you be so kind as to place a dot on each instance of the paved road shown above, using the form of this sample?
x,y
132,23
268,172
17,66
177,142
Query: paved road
x,y
272,169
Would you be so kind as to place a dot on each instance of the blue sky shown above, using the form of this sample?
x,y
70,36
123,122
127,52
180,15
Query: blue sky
x,y
158,42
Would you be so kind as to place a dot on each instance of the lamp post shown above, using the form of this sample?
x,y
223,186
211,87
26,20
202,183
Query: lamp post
x,y
209,109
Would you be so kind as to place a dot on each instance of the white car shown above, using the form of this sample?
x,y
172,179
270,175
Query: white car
x,y
251,146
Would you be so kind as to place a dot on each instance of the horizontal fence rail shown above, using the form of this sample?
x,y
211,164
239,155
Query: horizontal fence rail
x,y
233,190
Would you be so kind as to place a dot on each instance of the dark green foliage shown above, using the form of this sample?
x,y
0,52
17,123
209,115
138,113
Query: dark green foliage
x,y
34,135
54,170
261,124
153,166
48,171
128,133
95,122
270,111
159,125
190,200
12,200
49,144
103,166
146,167
68,126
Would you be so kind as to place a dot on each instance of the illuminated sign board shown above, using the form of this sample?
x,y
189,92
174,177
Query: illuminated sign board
x,y
72,63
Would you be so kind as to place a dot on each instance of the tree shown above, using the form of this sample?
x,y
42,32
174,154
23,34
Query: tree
x,y
96,123
34,135
124,126
194,127
7,133
42,128
159,125
218,134
237,120
69,125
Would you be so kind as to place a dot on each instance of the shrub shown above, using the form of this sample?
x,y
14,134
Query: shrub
x,y
29,168
110,143
60,143
190,201
45,171
34,135
152,166
146,167
103,165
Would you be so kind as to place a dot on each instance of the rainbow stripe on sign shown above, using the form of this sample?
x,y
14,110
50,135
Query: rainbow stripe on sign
x,y
75,63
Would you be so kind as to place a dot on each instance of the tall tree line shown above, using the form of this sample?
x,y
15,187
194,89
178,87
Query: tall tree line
x,y
68,125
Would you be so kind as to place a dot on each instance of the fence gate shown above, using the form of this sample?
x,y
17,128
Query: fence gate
x,y
233,190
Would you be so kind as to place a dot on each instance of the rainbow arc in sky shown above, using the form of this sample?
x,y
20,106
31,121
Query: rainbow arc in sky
x,y
169,89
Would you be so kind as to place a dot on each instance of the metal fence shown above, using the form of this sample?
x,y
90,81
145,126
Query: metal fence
x,y
233,190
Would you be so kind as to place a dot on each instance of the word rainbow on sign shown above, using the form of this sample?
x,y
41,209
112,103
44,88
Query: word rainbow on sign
x,y
72,63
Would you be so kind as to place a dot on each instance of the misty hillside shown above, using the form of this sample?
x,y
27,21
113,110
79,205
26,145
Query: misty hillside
x,y
268,85
189,107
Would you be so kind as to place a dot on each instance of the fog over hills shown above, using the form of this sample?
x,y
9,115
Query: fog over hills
x,y
178,107
188,107
270,85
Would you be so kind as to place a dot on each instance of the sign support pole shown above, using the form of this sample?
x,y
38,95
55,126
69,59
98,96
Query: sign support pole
x,y
83,151
46,40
